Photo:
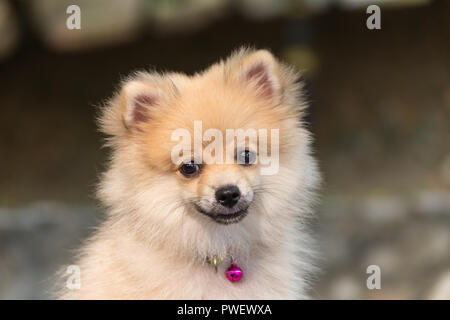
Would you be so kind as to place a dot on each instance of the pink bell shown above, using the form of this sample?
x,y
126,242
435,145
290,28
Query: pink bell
x,y
234,273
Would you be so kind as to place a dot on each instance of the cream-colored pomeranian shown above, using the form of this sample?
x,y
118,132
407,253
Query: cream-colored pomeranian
x,y
193,210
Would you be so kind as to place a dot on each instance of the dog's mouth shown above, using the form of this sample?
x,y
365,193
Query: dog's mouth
x,y
224,218
230,217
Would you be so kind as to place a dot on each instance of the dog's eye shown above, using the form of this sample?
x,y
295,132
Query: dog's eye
x,y
246,158
189,169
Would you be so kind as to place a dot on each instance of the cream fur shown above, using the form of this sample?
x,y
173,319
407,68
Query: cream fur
x,y
152,244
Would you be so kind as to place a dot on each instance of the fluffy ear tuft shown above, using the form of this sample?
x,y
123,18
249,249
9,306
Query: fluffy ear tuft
x,y
260,69
259,74
139,98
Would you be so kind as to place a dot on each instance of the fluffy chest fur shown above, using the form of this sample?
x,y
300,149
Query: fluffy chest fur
x,y
127,269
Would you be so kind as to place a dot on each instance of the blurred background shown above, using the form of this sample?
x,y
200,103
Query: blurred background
x,y
380,114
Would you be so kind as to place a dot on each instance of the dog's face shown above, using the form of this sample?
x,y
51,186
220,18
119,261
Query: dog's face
x,y
223,192
227,184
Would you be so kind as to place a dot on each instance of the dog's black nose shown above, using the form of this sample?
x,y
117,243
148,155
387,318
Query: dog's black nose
x,y
228,196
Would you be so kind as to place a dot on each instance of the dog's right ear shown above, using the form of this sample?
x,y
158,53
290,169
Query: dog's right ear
x,y
136,103
138,98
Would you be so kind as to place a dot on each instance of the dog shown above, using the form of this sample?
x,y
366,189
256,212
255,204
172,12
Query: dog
x,y
180,227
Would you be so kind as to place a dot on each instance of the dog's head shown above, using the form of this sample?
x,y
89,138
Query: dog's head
x,y
199,154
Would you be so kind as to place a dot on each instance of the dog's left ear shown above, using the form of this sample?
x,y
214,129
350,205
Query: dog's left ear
x,y
260,70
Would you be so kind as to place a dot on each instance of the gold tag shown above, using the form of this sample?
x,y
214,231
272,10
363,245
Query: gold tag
x,y
215,262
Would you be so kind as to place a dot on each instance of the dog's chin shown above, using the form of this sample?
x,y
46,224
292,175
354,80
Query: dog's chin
x,y
224,218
